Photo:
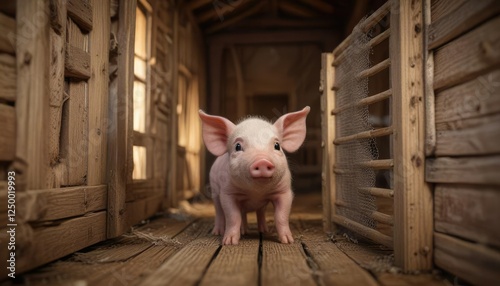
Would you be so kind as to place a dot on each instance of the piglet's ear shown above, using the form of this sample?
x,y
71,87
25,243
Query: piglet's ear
x,y
215,130
292,127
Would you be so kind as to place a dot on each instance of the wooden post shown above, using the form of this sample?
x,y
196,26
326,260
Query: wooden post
x,y
413,225
32,105
328,133
120,111
172,185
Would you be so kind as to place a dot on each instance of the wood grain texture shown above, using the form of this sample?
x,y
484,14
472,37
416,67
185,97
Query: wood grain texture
x,y
54,204
8,80
76,63
441,8
468,170
62,239
139,210
32,93
473,262
468,211
7,34
468,56
81,11
460,20
8,134
413,223
98,93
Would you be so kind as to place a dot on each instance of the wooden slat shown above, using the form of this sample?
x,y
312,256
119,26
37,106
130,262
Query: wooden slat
x,y
470,261
480,139
187,266
375,69
137,211
8,134
365,101
366,25
7,34
367,232
120,115
376,215
378,164
467,56
49,243
76,63
468,211
429,97
32,93
373,42
461,20
412,195
364,135
80,11
327,134
98,93
284,264
8,80
441,8
54,204
468,170
379,192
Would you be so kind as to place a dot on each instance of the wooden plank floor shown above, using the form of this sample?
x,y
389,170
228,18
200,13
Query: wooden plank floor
x,y
178,249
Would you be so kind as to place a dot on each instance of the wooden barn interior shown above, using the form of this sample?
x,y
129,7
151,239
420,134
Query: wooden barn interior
x,y
103,171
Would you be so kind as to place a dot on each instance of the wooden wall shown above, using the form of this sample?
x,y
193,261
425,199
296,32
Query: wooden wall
x,y
463,80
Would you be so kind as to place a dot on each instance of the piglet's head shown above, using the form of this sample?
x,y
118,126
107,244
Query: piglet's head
x,y
255,146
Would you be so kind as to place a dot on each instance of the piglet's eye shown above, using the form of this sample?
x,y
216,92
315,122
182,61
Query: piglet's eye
x,y
277,146
238,147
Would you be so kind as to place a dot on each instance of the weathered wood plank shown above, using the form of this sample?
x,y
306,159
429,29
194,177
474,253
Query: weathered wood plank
x,y
467,170
334,267
412,195
468,211
80,11
441,8
58,15
32,93
480,138
53,204
8,80
235,265
7,34
76,63
120,127
98,93
137,211
8,134
284,264
478,97
473,262
187,266
461,20
468,56
62,239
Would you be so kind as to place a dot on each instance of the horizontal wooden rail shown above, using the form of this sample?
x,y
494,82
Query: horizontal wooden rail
x,y
365,101
363,230
377,216
364,135
378,164
375,69
378,192
366,25
373,42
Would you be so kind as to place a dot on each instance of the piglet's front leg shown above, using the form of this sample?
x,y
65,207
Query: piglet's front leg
x,y
232,214
282,205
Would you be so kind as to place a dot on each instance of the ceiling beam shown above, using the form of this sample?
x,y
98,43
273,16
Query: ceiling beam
x,y
296,10
195,4
236,18
319,5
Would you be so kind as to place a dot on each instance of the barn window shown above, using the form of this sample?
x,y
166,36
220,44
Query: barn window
x,y
141,88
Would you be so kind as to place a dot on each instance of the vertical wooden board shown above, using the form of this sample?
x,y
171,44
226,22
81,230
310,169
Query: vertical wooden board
x,y
328,134
32,103
8,134
188,265
412,195
8,87
235,264
470,261
468,211
7,34
98,93
284,264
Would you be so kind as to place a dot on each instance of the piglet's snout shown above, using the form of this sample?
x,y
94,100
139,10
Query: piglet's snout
x,y
262,168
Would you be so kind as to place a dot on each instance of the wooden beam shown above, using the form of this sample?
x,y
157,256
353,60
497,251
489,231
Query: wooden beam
x,y
413,223
8,84
240,83
81,12
328,133
8,134
195,4
76,63
32,103
323,7
365,231
7,34
296,10
237,18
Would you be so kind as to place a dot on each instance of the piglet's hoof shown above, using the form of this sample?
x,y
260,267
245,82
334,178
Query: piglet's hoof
x,y
231,239
286,238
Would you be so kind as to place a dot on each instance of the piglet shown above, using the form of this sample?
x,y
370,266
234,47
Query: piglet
x,y
251,171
